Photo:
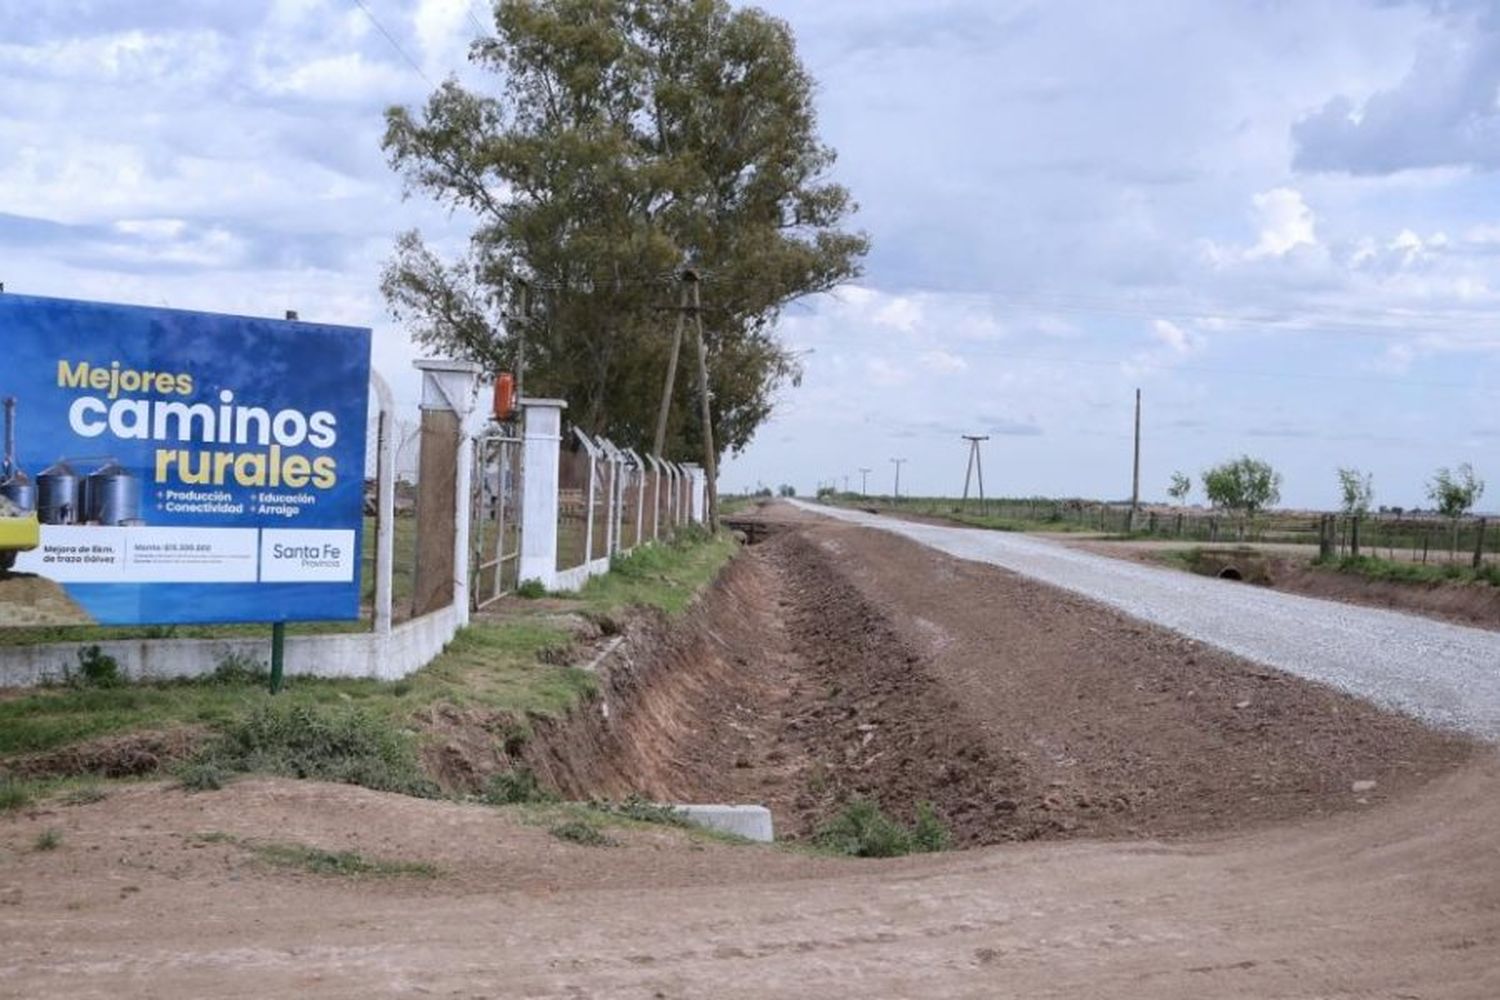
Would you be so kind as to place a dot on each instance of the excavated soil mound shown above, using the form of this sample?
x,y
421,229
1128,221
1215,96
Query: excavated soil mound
x,y
831,662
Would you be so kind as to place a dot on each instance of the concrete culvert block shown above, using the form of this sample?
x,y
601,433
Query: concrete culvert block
x,y
1230,573
750,822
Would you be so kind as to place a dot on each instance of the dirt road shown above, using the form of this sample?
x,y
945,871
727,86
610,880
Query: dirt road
x,y
1225,838
1438,671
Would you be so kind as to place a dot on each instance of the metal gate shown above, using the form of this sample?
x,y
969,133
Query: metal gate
x,y
497,518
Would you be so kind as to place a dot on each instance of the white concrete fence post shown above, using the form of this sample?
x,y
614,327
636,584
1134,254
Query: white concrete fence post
x,y
385,504
696,490
541,445
616,494
640,493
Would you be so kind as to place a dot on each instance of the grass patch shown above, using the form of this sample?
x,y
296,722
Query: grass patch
x,y
665,575
202,776
579,831
1375,568
15,794
345,745
341,863
862,830
639,809
317,861
516,787
531,589
489,664
83,795
49,839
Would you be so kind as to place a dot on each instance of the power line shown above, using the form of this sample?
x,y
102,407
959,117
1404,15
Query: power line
x,y
475,20
416,67
1205,369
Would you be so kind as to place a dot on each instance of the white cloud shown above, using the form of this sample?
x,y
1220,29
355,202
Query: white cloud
x,y
1178,340
348,76
1284,221
442,28
943,362
884,373
899,313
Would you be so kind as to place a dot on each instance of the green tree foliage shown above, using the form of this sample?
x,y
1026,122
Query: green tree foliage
x,y
1357,490
624,138
1245,484
1180,488
1454,493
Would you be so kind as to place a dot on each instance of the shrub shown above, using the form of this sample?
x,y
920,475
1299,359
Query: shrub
x,y
96,669
515,787
861,830
930,835
236,669
531,589
305,741
202,776
48,840
576,831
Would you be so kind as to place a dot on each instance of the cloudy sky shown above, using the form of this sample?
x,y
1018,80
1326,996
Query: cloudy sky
x,y
1278,218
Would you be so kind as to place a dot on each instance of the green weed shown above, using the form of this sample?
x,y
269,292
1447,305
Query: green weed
x,y
577,831
202,776
96,669
862,830
515,787
343,863
49,839
15,795
642,810
84,795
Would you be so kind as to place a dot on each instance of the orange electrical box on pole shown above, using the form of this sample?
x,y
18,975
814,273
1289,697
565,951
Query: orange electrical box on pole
x,y
505,397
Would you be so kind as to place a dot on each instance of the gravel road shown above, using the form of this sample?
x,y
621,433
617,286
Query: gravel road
x,y
1445,674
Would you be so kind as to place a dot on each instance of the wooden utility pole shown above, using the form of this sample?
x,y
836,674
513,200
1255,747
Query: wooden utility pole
x,y
975,464
864,481
898,463
1135,488
710,460
660,441
522,318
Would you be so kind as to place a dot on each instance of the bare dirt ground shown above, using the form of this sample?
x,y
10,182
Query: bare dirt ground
x,y
1290,568
1221,833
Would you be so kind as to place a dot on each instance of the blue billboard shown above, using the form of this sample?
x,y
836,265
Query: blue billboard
x,y
163,466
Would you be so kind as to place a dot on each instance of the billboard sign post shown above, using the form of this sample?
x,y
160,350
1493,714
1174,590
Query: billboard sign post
x,y
167,467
